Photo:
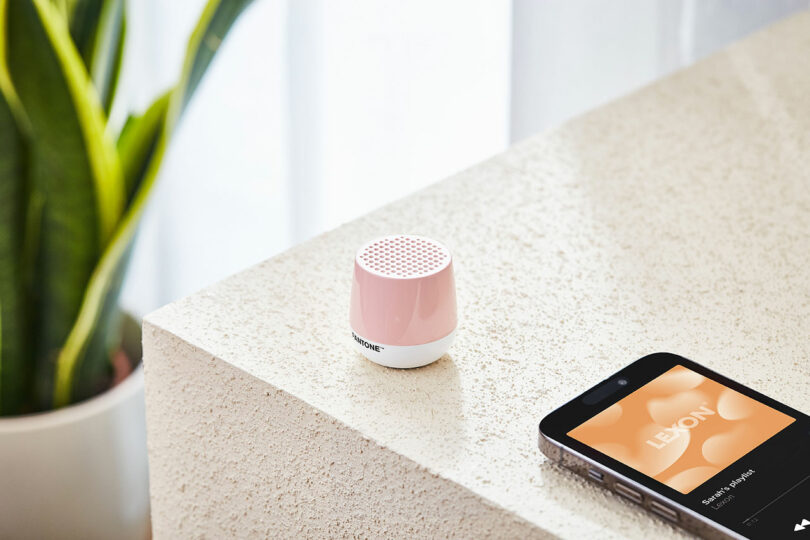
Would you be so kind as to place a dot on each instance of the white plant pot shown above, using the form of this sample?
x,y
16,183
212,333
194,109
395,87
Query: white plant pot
x,y
78,472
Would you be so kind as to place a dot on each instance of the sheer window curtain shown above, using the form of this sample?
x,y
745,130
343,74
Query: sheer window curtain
x,y
318,111
571,56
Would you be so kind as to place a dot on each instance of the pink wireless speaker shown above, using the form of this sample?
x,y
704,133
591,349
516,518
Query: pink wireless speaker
x,y
403,312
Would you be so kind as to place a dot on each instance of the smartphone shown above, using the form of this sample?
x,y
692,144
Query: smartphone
x,y
691,446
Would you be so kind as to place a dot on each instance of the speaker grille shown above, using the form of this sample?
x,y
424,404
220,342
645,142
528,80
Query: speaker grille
x,y
403,256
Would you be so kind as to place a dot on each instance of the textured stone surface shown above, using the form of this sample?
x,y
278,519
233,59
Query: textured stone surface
x,y
677,218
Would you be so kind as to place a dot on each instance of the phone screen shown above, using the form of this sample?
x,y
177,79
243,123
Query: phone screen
x,y
713,449
681,428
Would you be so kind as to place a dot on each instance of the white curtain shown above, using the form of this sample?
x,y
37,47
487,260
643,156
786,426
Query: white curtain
x,y
569,56
316,111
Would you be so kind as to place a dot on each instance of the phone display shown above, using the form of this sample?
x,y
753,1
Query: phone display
x,y
706,452
681,428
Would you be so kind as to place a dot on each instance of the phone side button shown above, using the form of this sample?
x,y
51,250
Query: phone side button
x,y
596,475
628,493
664,511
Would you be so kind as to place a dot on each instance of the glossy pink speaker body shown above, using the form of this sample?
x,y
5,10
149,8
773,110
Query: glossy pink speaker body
x,y
403,305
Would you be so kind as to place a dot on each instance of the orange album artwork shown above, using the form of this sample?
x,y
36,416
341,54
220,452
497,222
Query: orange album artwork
x,y
681,428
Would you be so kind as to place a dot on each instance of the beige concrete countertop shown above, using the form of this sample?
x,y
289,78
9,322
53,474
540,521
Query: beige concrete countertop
x,y
675,219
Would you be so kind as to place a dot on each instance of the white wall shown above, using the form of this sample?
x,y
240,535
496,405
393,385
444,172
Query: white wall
x,y
316,111
569,56
312,114
222,200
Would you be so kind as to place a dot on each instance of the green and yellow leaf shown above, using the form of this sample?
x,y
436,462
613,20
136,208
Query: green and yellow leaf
x,y
15,373
73,169
97,28
83,20
214,24
138,141
84,347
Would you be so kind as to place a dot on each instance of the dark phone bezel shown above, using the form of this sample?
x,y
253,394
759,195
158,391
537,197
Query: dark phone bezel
x,y
556,425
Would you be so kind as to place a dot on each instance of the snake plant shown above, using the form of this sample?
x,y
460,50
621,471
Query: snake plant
x,y
71,191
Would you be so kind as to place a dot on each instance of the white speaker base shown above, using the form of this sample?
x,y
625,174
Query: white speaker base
x,y
403,356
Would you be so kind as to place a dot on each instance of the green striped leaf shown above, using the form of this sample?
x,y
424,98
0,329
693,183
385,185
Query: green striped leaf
x,y
15,372
73,170
87,337
215,22
138,140
83,16
97,28
95,333
113,71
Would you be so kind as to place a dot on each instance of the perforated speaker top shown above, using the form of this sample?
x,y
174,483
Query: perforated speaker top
x,y
403,256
